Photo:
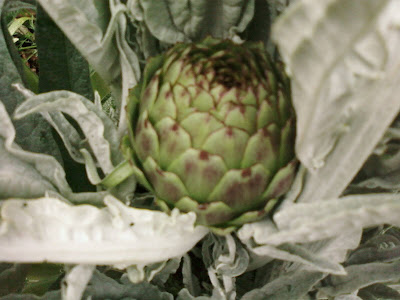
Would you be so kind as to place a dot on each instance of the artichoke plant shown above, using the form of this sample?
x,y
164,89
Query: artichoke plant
x,y
212,131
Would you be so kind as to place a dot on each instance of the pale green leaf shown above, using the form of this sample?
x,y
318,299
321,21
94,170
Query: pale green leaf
x,y
16,24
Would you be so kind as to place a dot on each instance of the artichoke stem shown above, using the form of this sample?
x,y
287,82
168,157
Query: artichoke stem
x,y
118,175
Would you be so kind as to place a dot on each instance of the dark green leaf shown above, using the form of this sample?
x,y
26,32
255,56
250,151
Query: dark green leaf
x,y
41,277
12,279
54,295
61,65
33,132
378,292
260,26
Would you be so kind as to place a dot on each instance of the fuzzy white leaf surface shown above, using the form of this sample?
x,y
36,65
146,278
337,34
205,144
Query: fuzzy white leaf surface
x,y
343,60
51,230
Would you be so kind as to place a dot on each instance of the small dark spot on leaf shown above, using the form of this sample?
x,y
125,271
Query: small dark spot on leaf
x,y
203,155
131,224
147,92
229,132
172,192
203,206
175,127
246,172
265,131
261,213
188,167
146,144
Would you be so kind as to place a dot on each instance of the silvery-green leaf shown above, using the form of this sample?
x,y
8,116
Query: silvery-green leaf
x,y
382,169
75,281
27,174
41,230
185,295
336,249
171,267
223,264
295,189
359,276
224,255
347,297
45,170
380,246
130,70
69,135
98,128
291,286
309,222
333,250
20,179
176,21
294,253
104,287
141,272
323,256
342,56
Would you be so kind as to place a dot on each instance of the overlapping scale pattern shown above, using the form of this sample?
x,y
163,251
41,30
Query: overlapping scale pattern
x,y
215,132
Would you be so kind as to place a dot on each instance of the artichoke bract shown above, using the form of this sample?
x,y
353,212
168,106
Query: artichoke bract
x,y
212,131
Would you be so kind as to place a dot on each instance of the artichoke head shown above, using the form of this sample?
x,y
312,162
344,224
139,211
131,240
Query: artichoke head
x,y
211,130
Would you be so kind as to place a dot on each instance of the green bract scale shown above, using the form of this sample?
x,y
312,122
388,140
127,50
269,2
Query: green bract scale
x,y
212,131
